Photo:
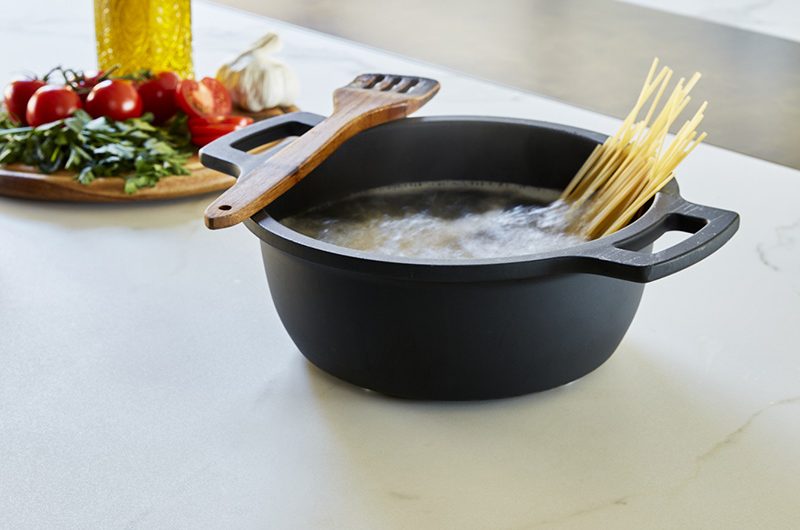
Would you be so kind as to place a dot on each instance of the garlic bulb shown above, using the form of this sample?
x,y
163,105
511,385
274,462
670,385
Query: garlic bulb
x,y
257,81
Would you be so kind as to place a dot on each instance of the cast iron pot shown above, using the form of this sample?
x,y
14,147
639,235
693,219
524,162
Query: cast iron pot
x,y
458,330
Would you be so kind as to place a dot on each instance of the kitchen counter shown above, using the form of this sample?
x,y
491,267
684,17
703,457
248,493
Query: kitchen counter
x,y
146,381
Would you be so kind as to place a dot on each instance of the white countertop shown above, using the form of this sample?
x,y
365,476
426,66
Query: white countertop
x,y
146,382
779,18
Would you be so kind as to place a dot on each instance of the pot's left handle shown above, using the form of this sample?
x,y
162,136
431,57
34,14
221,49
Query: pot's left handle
x,y
229,155
710,228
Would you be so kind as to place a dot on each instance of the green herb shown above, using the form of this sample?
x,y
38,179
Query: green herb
x,y
133,149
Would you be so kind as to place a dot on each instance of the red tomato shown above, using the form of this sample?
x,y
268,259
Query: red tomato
x,y
51,103
200,141
158,96
217,126
115,99
17,95
206,130
206,98
86,81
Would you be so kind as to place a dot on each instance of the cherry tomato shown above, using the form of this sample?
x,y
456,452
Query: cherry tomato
x,y
206,98
217,126
205,130
232,119
158,96
200,141
86,81
51,103
17,94
115,99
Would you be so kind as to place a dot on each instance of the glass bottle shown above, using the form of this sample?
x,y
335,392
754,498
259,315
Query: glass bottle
x,y
136,34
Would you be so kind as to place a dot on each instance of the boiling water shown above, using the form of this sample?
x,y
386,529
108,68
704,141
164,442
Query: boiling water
x,y
442,220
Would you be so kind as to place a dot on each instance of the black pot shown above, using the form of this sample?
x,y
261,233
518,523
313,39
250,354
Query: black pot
x,y
472,329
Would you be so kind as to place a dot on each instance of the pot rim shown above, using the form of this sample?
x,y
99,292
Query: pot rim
x,y
616,255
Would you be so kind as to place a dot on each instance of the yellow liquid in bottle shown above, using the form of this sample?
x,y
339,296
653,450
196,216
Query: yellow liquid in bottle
x,y
136,34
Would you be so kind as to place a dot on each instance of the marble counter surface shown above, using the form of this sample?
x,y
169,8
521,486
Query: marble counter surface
x,y
780,18
146,382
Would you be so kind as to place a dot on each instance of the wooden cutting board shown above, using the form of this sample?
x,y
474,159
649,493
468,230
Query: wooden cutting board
x,y
18,180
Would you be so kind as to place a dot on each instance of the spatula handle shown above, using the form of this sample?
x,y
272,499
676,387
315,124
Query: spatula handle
x,y
283,170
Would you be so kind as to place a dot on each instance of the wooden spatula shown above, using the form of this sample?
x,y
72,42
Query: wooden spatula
x,y
369,100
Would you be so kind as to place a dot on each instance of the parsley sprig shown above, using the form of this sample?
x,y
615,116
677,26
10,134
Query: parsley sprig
x,y
133,149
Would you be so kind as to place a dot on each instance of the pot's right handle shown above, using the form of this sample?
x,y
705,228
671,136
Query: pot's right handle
x,y
710,228
229,155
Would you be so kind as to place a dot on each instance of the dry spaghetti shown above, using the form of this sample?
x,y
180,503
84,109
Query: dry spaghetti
x,y
629,168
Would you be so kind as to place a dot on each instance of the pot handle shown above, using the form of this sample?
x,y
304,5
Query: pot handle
x,y
710,228
229,155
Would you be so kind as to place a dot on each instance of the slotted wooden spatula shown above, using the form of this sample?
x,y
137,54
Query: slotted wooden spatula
x,y
369,100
